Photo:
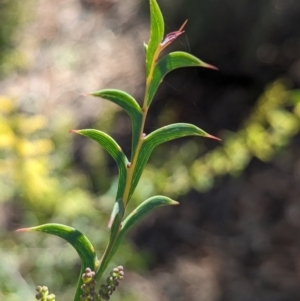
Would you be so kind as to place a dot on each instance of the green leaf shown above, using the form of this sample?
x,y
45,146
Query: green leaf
x,y
164,134
129,104
137,214
157,29
113,149
78,240
142,210
169,62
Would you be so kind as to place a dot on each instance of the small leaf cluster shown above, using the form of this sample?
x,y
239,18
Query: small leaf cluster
x,y
130,170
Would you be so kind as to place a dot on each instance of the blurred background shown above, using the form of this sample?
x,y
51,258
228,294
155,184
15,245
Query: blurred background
x,y
235,235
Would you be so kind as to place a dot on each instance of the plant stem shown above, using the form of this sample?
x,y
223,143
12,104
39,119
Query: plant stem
x,y
110,250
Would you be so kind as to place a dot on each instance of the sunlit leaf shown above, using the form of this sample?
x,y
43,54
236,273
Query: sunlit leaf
x,y
157,29
169,62
137,214
164,134
78,240
113,149
129,104
143,209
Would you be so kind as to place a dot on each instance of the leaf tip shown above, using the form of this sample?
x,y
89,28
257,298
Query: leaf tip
x,y
96,94
23,230
213,137
183,25
210,67
74,131
172,36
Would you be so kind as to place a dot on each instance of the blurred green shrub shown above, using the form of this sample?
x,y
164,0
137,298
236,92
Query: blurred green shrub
x,y
38,182
13,14
26,166
270,127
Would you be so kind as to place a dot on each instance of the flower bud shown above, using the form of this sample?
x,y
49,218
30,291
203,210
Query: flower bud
x,y
38,288
51,297
44,289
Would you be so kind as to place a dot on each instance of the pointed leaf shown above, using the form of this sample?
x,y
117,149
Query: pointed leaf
x,y
169,62
78,240
113,149
172,36
143,209
164,134
129,104
80,243
135,216
157,29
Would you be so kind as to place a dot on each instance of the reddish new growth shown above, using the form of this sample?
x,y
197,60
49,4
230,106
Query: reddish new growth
x,y
172,36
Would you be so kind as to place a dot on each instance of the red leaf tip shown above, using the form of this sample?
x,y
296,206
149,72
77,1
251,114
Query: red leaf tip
x,y
22,230
213,137
182,26
172,36
73,131
211,67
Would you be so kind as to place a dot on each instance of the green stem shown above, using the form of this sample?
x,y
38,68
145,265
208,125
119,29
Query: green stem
x,y
115,230
114,233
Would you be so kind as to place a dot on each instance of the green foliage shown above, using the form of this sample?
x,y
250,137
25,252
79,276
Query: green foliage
x,y
24,157
129,104
157,30
169,62
38,185
158,137
13,14
27,164
27,173
79,241
114,150
142,210
270,127
142,147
